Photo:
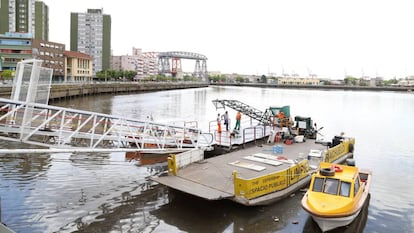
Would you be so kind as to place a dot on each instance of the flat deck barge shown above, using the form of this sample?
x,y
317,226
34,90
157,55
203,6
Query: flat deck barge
x,y
257,175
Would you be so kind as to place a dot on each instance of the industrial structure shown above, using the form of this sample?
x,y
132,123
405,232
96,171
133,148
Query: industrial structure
x,y
170,63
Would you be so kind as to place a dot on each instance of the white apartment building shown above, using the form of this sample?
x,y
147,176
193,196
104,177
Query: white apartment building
x,y
91,34
21,16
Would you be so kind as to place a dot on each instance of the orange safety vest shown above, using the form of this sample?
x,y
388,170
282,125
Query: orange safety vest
x,y
238,116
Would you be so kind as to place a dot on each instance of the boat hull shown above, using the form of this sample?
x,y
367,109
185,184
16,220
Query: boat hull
x,y
327,224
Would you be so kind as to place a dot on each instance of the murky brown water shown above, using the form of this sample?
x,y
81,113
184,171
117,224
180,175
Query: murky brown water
x,y
107,193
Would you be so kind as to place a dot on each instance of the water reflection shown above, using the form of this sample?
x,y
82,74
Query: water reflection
x,y
68,192
125,209
131,213
193,214
357,226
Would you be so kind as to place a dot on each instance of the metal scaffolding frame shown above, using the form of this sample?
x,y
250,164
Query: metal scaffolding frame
x,y
263,117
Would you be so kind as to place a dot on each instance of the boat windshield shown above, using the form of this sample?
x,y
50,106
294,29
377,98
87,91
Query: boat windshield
x,y
318,184
331,186
345,189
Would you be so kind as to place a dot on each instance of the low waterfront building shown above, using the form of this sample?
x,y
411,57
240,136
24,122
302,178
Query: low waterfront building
x,y
14,47
78,67
407,82
52,55
297,81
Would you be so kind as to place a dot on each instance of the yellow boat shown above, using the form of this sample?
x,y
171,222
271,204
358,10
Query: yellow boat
x,y
336,195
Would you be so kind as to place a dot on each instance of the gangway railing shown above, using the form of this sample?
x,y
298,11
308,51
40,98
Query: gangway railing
x,y
59,127
263,117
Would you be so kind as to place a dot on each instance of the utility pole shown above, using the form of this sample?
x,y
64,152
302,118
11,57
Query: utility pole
x,y
1,67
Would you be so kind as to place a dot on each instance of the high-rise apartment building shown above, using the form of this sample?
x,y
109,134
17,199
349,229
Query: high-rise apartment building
x,y
41,21
25,16
90,33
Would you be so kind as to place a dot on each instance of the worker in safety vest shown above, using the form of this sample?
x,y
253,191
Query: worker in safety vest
x,y
238,118
218,123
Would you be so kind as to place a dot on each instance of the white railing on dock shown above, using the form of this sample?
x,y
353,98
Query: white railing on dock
x,y
26,117
178,161
58,127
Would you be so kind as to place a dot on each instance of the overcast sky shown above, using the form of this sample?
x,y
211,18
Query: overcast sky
x,y
325,37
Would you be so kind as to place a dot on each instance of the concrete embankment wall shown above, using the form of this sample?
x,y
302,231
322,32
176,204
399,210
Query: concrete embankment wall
x,y
61,91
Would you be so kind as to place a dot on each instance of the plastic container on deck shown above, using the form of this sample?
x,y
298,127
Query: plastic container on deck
x,y
278,149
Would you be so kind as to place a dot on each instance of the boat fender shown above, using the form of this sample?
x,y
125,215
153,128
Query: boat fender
x,y
327,171
337,168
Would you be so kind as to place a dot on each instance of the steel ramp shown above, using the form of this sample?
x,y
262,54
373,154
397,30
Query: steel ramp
x,y
58,127
263,117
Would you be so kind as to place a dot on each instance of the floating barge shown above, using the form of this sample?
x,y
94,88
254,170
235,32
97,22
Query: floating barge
x,y
258,175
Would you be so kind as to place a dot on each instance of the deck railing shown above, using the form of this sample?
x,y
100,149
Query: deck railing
x,y
254,129
345,147
178,161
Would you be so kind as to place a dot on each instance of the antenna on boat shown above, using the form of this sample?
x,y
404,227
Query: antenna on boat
x,y
317,131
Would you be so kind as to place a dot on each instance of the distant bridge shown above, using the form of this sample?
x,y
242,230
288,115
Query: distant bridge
x,y
164,67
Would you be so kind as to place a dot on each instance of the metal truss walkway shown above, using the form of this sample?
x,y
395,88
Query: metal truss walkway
x,y
26,117
77,130
263,117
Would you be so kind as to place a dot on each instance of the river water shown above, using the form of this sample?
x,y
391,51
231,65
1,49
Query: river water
x,y
107,193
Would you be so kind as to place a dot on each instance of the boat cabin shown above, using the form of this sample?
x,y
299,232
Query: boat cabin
x,y
340,180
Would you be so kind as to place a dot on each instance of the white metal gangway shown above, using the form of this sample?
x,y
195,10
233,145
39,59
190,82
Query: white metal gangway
x,y
26,117
77,130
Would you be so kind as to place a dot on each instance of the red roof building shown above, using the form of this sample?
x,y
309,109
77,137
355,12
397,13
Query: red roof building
x,y
78,67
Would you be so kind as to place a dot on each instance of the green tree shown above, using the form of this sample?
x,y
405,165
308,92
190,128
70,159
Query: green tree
x,y
390,82
130,74
101,75
239,79
223,78
214,78
190,78
218,78
263,79
349,80
7,74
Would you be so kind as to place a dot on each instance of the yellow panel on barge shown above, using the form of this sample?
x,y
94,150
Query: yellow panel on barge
x,y
257,175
